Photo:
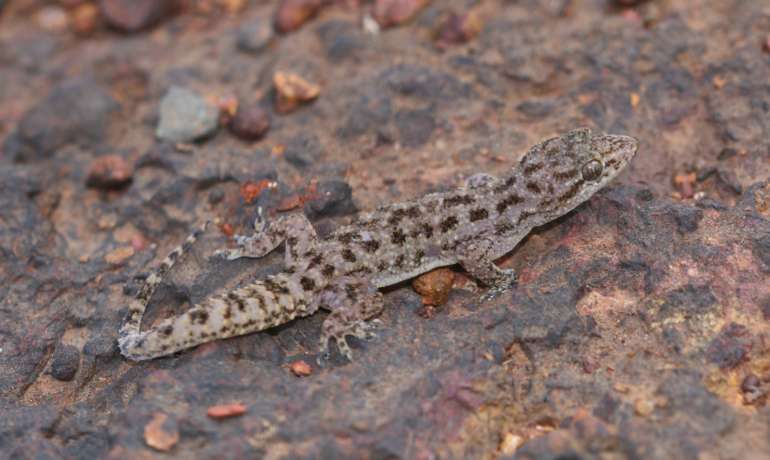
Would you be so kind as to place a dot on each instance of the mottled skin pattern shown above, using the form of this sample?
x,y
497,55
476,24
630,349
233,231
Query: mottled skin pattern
x,y
472,226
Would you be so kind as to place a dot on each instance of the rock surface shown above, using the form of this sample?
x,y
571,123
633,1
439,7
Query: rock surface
x,y
639,324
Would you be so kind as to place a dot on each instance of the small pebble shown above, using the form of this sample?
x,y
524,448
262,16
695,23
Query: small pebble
x,y
434,286
389,13
185,116
65,363
459,28
226,410
134,15
301,368
250,122
119,255
750,383
109,171
84,19
292,14
52,19
293,91
254,37
160,433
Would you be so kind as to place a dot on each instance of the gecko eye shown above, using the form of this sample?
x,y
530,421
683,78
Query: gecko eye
x,y
592,170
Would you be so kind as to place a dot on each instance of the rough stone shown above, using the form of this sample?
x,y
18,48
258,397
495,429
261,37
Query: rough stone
x,y
303,150
76,111
332,198
185,116
65,363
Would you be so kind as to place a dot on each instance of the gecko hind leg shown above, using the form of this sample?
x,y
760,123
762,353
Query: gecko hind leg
x,y
295,229
353,303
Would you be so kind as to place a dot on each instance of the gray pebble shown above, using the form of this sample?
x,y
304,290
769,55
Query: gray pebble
x,y
254,37
185,116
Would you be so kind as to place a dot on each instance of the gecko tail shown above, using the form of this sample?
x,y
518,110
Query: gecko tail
x,y
133,319
254,307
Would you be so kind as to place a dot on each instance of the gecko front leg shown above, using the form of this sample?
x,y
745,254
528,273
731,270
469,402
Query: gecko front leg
x,y
295,229
353,303
475,257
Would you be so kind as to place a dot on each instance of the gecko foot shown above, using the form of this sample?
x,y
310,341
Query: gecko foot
x,y
506,279
363,330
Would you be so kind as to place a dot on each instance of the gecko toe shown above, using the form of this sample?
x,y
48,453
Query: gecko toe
x,y
344,348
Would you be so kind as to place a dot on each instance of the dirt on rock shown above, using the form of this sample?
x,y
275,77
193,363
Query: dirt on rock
x,y
638,327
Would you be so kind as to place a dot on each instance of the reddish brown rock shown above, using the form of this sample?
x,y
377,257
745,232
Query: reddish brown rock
x,y
226,410
459,28
292,14
301,368
84,19
161,432
389,13
250,122
135,15
109,171
434,286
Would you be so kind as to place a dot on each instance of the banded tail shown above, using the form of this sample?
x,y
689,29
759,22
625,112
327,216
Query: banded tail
x,y
254,307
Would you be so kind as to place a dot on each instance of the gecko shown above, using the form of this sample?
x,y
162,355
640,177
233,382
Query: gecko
x,y
472,226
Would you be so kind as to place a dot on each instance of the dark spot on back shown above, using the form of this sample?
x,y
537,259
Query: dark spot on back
x,y
348,255
328,271
275,287
291,241
315,261
427,229
371,245
381,266
307,283
398,237
456,200
395,216
566,175
506,185
347,238
501,228
478,214
167,330
533,187
449,223
413,212
228,313
238,301
529,169
510,200
418,256
199,316
400,260
570,193
524,216
351,292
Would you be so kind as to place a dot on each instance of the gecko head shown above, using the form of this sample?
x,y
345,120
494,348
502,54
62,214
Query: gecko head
x,y
576,165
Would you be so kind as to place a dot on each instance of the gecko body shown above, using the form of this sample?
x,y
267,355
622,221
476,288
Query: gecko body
x,y
470,226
